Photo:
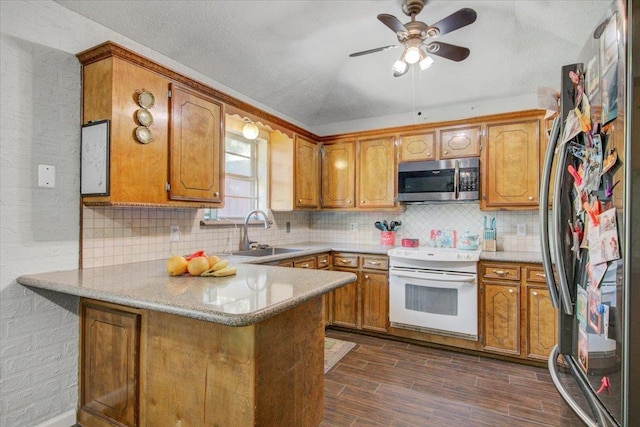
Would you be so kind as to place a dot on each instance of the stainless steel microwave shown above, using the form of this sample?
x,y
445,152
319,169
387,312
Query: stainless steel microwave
x,y
439,180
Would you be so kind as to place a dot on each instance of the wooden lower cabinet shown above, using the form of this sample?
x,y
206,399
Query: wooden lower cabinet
x,y
109,365
363,304
374,289
501,317
148,368
517,316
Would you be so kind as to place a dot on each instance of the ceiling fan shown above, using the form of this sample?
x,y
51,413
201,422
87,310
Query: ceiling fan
x,y
414,36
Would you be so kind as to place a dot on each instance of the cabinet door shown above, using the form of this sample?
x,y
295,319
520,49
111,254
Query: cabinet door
x,y
511,166
338,175
460,142
418,147
501,317
542,323
376,173
345,305
306,176
109,365
196,165
374,288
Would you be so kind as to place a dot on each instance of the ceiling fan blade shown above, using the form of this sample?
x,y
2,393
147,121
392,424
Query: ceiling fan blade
x,y
392,22
378,49
456,20
449,51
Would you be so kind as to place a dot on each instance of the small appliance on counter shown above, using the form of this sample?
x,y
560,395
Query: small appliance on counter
x,y
410,243
468,241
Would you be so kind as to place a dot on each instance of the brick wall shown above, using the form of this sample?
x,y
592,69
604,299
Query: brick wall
x,y
40,106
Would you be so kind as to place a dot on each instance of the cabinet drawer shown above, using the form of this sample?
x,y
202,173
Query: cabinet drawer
x,y
535,274
345,260
501,271
322,261
375,263
305,263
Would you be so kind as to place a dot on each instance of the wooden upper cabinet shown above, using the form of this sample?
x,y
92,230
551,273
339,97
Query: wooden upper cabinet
x,y
338,175
196,161
511,165
137,173
190,159
460,142
376,173
418,147
306,173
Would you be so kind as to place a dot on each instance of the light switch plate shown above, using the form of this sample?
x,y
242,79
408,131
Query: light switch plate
x,y
46,176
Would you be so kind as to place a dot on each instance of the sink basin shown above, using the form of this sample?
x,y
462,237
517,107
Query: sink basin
x,y
265,252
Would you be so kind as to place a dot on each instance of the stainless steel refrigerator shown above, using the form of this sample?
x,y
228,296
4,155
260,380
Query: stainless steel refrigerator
x,y
591,247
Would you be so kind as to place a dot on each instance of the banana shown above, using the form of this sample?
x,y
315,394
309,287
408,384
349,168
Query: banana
x,y
217,266
227,271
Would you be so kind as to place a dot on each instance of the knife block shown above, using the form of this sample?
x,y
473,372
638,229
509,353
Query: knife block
x,y
489,245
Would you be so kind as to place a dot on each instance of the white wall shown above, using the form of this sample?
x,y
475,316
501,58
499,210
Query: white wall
x,y
39,332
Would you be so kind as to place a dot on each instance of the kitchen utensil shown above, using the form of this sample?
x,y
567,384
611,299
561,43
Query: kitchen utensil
x,y
379,226
385,224
394,225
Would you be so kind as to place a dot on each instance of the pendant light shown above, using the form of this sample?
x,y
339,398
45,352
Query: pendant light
x,y
250,130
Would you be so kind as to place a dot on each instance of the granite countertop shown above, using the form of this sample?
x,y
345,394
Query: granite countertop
x,y
254,294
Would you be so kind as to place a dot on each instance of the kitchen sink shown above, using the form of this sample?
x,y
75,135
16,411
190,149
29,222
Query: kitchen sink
x,y
265,252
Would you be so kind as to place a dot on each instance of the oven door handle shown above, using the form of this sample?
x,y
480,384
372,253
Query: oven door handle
x,y
434,277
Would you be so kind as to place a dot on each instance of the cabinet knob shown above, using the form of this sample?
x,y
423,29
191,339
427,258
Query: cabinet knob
x,y
362,202
348,201
429,153
500,273
216,194
374,262
530,197
510,291
323,261
446,151
345,261
535,293
299,200
304,265
542,275
366,276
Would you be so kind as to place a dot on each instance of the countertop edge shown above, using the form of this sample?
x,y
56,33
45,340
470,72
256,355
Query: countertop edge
x,y
228,319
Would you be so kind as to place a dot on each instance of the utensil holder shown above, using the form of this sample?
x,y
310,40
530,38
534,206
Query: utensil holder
x,y
489,245
388,238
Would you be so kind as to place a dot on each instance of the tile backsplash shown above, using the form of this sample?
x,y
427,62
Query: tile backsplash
x,y
117,235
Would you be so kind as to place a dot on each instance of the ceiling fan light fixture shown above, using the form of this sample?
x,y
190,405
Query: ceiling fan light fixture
x,y
412,55
250,130
426,63
399,66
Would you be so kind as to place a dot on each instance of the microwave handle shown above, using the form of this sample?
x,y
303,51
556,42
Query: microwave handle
x,y
456,181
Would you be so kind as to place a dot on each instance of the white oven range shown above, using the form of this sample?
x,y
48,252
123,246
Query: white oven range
x,y
434,290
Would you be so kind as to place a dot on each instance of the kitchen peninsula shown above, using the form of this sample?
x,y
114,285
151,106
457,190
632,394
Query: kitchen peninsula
x,y
198,351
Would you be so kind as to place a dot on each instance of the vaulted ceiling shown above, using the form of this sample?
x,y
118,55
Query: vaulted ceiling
x,y
293,56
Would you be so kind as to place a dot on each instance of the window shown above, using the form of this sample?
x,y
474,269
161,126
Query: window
x,y
245,177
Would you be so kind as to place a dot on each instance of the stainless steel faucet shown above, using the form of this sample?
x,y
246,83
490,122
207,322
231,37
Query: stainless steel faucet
x,y
246,244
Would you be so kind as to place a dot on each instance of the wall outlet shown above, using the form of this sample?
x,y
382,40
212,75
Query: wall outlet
x,y
522,229
174,235
353,226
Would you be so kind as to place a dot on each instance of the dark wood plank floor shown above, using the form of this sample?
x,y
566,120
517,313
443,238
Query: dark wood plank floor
x,y
387,383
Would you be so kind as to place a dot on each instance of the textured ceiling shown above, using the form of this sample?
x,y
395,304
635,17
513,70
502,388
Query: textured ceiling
x,y
292,56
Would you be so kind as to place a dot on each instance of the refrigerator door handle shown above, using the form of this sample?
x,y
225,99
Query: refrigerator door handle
x,y
544,213
563,289
575,407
